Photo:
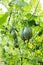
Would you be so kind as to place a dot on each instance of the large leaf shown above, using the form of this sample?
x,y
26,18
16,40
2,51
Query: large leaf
x,y
19,2
3,18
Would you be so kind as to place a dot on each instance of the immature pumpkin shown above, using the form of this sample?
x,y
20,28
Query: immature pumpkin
x,y
26,33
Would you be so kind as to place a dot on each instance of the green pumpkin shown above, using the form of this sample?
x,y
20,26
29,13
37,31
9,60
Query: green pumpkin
x,y
27,33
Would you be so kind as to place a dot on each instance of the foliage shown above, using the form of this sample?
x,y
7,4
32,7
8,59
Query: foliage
x,y
20,15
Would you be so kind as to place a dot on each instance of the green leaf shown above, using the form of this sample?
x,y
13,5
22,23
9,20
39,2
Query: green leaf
x,y
41,15
1,15
19,2
27,8
3,18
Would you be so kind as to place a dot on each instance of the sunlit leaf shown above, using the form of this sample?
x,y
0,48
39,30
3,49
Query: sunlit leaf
x,y
3,18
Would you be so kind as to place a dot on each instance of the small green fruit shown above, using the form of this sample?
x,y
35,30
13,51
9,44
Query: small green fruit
x,y
27,33
14,35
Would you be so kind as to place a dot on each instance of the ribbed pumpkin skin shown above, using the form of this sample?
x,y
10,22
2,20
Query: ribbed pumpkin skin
x,y
26,33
